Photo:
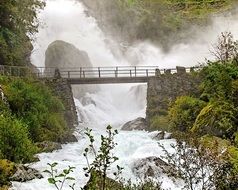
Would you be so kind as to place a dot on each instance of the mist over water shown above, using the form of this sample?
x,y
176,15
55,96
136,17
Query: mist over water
x,y
112,104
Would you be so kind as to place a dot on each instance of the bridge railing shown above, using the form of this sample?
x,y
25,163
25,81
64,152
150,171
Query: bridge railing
x,y
108,72
99,72
91,72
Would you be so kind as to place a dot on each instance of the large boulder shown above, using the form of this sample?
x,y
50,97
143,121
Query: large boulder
x,y
64,55
61,54
137,124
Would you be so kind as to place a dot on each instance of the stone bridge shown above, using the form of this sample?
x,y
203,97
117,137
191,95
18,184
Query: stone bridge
x,y
164,85
96,75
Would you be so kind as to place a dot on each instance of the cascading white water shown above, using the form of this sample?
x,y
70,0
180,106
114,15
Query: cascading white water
x,y
112,104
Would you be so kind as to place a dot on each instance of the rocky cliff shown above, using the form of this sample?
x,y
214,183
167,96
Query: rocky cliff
x,y
60,54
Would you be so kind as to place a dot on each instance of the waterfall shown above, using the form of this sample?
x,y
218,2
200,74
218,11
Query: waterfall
x,y
113,104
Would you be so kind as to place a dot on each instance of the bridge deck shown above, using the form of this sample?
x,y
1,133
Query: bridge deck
x,y
108,80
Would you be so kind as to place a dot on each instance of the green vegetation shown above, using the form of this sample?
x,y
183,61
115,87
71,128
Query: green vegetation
x,y
7,169
183,113
215,113
14,142
58,179
212,118
17,25
170,15
165,22
33,103
161,122
29,113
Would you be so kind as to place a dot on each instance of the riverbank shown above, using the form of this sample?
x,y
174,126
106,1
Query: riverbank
x,y
35,118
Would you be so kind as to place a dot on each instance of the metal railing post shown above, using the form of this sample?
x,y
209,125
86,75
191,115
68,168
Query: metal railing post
x,y
116,72
147,73
68,74
80,74
99,72
135,71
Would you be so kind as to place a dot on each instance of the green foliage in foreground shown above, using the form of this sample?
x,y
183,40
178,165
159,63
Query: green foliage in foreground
x,y
14,142
184,112
33,103
30,114
217,118
7,169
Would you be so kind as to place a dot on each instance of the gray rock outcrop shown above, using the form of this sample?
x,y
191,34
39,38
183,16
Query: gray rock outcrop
x,y
150,167
25,173
137,124
63,55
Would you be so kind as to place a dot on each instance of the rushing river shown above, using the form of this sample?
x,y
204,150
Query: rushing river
x,y
111,104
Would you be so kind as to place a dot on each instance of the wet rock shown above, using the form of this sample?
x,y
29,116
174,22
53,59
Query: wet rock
x,y
157,135
25,173
137,124
48,146
160,135
70,138
150,167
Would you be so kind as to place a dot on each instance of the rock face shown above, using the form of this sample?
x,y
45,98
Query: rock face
x,y
137,124
150,167
64,55
60,54
24,173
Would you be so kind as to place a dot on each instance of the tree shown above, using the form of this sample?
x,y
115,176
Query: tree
x,y
18,23
226,49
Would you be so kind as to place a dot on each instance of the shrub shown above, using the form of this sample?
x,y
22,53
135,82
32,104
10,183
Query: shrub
x,y
184,112
235,92
34,104
53,130
217,82
226,48
201,167
160,123
14,142
7,169
217,118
